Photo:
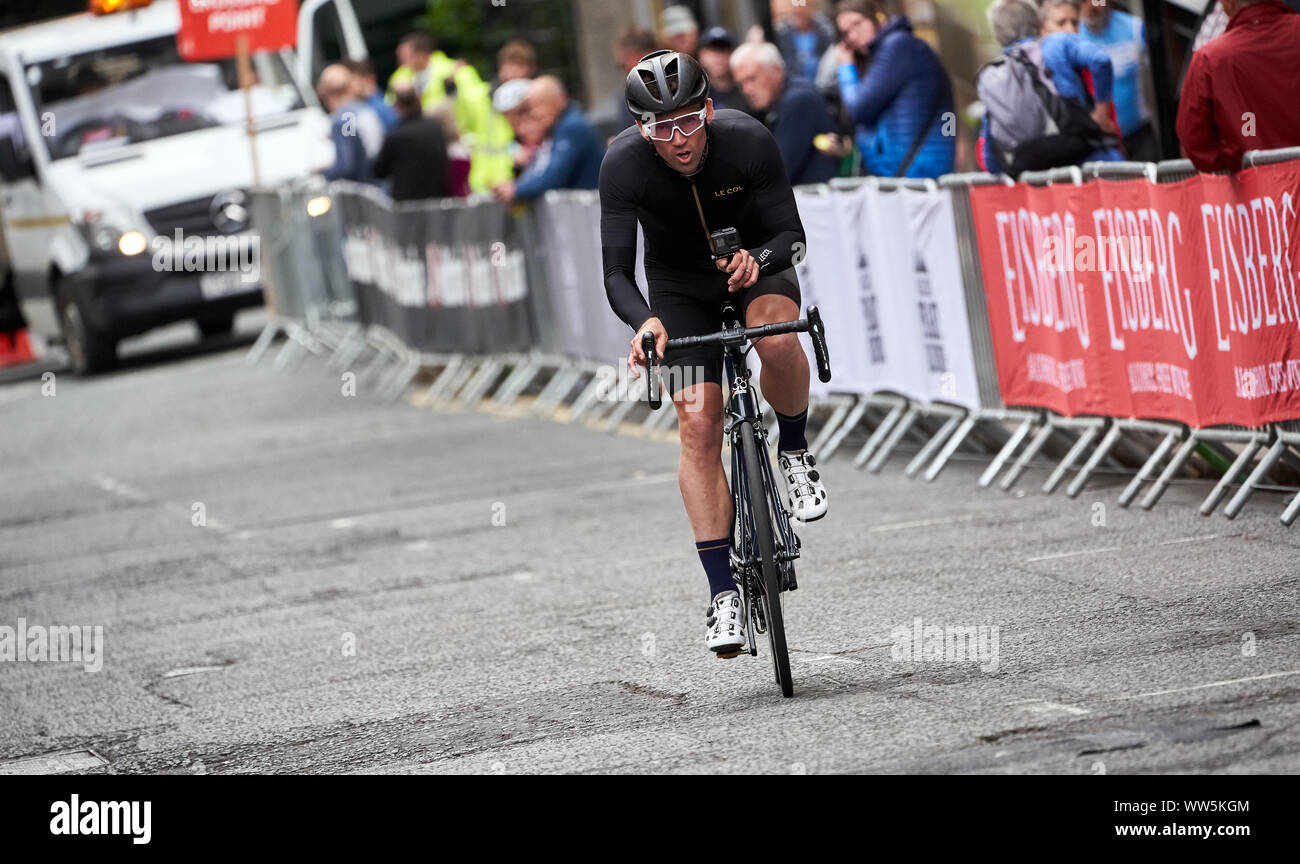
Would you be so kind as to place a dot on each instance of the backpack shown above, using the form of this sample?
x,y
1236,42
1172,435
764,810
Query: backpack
x,y
1032,127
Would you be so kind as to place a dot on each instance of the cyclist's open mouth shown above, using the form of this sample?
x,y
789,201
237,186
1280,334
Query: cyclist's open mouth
x,y
684,156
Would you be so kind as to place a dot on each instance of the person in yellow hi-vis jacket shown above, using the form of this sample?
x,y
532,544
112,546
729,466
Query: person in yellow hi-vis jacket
x,y
428,72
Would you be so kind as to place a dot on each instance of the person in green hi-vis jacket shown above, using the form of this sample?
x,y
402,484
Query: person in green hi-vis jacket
x,y
428,72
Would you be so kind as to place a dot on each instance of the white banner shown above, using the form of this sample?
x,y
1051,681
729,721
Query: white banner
x,y
826,280
883,268
570,224
947,361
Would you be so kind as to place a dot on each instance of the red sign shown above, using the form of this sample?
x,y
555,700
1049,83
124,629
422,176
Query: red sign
x,y
1160,301
210,28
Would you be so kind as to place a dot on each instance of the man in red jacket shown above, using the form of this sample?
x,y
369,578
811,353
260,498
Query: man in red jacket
x,y
1242,90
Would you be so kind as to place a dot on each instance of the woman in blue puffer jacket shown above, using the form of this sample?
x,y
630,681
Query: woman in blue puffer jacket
x,y
904,90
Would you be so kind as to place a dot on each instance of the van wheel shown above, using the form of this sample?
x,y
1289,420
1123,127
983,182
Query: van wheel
x,y
89,351
215,324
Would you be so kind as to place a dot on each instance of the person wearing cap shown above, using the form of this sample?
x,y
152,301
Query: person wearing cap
x,y
570,153
803,34
790,107
509,104
679,30
715,56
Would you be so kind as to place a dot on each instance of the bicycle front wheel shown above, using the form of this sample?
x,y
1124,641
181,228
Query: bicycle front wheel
x,y
765,542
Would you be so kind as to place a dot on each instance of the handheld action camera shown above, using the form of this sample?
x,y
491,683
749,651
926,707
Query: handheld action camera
x,y
724,243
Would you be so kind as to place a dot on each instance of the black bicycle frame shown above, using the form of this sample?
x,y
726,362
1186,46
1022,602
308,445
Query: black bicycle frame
x,y
742,416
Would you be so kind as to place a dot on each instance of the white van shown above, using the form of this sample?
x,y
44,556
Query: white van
x,y
108,140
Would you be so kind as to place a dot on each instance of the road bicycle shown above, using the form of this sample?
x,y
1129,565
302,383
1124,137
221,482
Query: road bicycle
x,y
764,546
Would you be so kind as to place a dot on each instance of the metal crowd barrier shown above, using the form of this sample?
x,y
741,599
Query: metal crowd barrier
x,y
573,343
311,297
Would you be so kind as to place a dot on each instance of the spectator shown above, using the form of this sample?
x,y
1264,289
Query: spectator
x,y
1017,132
339,94
496,145
790,107
1123,37
458,156
1242,91
1058,16
803,34
414,54
570,153
903,105
516,59
364,71
679,30
630,46
715,56
511,102
414,154
611,116
437,77
1062,16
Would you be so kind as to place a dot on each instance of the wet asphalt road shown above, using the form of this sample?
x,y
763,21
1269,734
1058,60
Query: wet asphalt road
x,y
398,589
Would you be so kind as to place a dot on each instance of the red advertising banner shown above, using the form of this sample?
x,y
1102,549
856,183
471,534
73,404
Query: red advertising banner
x,y
210,28
1129,299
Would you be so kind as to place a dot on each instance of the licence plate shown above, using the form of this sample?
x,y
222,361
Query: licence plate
x,y
220,284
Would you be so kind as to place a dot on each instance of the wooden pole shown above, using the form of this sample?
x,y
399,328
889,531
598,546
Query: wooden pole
x,y
246,83
245,65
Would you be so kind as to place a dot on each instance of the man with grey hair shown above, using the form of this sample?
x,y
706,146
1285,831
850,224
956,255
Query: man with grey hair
x,y
1047,100
1013,21
790,107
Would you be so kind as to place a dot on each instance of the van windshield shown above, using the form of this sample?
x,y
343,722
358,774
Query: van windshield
x,y
144,90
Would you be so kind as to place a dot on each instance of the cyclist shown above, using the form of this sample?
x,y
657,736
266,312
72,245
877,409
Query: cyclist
x,y
684,171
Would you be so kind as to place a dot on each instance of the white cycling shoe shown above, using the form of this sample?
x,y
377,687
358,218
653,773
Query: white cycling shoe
x,y
726,622
804,487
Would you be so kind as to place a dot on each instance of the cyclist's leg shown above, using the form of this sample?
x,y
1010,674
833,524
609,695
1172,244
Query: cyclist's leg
x,y
784,377
693,377
784,380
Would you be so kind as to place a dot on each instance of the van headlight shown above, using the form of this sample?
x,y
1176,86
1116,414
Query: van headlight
x,y
104,238
131,243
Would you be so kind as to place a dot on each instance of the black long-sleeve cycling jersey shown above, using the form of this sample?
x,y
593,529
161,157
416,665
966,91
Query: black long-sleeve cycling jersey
x,y
741,184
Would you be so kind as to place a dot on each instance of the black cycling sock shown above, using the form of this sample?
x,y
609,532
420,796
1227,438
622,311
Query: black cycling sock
x,y
791,431
717,565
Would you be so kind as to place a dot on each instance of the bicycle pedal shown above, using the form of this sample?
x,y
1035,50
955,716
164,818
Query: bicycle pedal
x,y
729,654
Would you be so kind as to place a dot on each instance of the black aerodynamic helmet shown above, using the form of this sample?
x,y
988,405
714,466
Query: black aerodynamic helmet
x,y
665,81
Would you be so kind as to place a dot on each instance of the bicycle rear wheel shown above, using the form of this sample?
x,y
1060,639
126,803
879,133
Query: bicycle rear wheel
x,y
770,581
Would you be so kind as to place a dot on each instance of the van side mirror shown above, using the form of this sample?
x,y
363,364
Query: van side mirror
x,y
14,165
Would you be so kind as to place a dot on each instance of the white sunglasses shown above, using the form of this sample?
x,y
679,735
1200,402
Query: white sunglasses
x,y
687,124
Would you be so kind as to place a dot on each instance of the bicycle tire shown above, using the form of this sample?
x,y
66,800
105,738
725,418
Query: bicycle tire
x,y
770,596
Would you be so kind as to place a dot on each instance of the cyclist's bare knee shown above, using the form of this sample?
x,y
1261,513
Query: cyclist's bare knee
x,y
780,352
699,419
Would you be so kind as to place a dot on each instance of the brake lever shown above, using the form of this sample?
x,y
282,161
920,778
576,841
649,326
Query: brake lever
x,y
818,333
651,368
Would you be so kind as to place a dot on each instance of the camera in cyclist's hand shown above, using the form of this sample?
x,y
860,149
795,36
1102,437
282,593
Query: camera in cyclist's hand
x,y
724,243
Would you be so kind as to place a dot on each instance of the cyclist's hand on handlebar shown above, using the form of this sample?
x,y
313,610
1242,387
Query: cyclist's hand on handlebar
x,y
743,269
637,356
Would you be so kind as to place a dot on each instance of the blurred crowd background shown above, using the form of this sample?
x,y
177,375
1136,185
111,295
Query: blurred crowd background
x,y
515,97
